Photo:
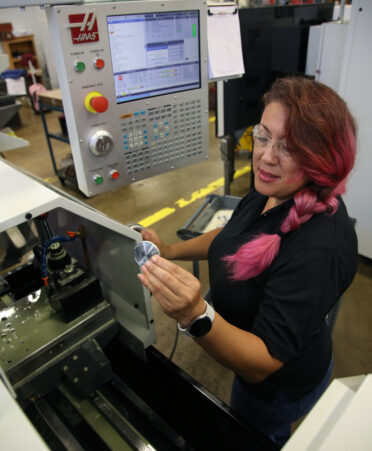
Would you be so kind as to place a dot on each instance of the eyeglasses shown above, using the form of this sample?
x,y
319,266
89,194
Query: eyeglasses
x,y
262,140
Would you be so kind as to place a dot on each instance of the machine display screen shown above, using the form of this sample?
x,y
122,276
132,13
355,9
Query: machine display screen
x,y
154,53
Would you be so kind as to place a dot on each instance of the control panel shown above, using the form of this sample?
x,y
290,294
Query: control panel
x,y
133,78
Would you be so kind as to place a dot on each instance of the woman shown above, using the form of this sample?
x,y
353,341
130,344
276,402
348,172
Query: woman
x,y
280,264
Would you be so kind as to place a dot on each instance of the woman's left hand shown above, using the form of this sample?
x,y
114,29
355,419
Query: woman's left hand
x,y
177,291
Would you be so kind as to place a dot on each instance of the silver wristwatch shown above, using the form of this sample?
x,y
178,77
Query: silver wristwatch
x,y
201,325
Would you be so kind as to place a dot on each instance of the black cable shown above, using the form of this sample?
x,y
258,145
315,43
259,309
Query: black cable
x,y
207,298
175,343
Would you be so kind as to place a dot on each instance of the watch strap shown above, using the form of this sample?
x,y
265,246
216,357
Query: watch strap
x,y
209,313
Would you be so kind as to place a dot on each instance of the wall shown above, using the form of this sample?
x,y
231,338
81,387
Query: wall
x,y
33,20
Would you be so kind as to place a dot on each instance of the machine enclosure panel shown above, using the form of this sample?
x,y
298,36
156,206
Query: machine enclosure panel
x,y
355,88
325,52
110,245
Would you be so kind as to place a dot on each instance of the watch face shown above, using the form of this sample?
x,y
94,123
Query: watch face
x,y
200,327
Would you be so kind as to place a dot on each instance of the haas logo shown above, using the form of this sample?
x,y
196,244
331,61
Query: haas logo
x,y
83,27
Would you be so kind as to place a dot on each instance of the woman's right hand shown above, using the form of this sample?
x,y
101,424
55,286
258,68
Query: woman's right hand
x,y
151,235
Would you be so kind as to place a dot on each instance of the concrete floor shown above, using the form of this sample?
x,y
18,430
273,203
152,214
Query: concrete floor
x,y
130,204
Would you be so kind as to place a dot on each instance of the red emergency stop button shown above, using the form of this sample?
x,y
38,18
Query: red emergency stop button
x,y
114,174
99,104
95,102
99,63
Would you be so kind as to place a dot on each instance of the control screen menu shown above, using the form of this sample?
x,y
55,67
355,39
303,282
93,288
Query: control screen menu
x,y
154,53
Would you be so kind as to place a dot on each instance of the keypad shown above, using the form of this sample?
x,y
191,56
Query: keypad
x,y
161,135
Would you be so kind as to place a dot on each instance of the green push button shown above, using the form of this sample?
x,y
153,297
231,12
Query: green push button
x,y
98,179
79,66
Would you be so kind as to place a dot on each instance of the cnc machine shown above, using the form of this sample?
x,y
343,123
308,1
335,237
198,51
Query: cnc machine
x,y
76,335
76,358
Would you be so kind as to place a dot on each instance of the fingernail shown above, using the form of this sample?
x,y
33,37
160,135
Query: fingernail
x,y
154,258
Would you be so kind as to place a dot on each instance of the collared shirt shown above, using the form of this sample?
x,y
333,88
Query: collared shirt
x,y
286,305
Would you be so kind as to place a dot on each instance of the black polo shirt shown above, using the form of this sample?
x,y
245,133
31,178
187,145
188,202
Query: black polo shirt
x,y
286,305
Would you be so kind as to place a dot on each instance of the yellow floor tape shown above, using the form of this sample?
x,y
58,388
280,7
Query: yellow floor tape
x,y
180,203
161,214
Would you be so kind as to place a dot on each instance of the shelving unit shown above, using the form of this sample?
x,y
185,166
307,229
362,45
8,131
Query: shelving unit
x,y
52,100
17,47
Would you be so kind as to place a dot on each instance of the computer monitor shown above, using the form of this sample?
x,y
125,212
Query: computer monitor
x,y
134,83
154,53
